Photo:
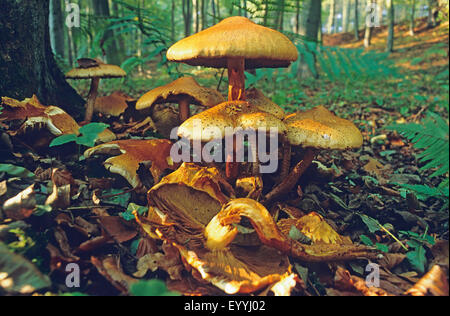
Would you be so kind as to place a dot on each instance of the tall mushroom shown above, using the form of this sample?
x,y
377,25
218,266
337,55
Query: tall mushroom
x,y
232,115
314,130
238,44
184,91
95,70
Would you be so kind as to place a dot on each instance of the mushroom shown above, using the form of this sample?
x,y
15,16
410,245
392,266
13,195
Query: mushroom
x,y
184,91
314,130
258,99
238,44
95,70
234,115
112,105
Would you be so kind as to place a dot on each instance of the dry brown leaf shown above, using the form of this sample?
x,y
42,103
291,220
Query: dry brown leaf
x,y
22,205
434,283
110,268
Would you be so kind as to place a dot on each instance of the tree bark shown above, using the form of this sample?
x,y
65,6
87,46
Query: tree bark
x,y
27,63
412,23
356,16
391,13
310,25
56,21
187,15
345,15
331,19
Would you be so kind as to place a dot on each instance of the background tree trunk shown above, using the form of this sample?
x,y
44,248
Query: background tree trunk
x,y
332,18
27,63
101,9
310,24
412,23
56,21
391,17
356,19
345,15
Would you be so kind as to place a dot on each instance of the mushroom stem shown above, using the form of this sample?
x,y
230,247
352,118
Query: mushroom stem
x,y
185,109
291,180
232,166
236,79
286,164
92,96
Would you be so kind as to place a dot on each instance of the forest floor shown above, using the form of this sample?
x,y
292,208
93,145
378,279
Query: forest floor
x,y
361,194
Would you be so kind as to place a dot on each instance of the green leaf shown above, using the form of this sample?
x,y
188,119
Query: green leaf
x,y
42,210
128,215
151,288
64,139
24,277
417,259
366,240
382,248
371,223
89,134
15,171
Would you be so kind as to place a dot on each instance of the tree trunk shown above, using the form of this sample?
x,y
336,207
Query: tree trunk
x,y
345,15
369,28
187,15
356,20
391,13
412,23
56,21
112,53
27,63
332,18
311,23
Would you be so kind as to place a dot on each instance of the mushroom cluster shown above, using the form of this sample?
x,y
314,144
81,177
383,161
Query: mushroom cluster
x,y
200,207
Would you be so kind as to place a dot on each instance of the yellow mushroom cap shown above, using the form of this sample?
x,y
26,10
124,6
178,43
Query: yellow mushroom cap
x,y
100,71
235,37
319,128
212,124
257,98
178,89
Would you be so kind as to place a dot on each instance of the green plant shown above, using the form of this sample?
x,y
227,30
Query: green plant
x,y
432,138
417,254
88,136
151,288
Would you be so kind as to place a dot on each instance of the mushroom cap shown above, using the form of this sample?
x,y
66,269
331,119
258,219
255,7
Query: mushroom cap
x,y
213,123
257,98
319,128
100,71
235,37
178,89
114,104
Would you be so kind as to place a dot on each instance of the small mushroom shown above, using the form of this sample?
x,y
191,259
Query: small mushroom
x,y
314,130
236,43
233,115
95,70
184,91
112,105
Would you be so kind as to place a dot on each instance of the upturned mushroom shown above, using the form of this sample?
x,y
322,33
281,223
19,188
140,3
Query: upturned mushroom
x,y
238,44
114,104
223,121
314,130
95,70
184,91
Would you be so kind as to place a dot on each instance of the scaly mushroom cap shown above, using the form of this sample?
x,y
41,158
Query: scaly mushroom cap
x,y
257,98
321,129
130,153
234,115
179,89
235,37
100,71
114,104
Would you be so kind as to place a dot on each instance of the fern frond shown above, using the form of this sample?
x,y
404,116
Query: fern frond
x,y
433,138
